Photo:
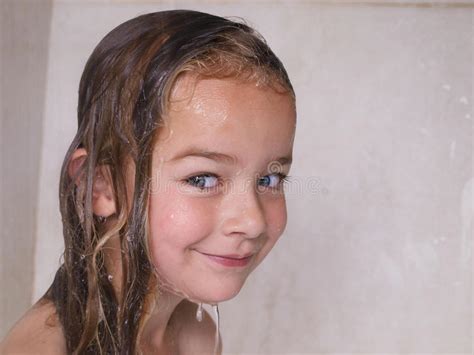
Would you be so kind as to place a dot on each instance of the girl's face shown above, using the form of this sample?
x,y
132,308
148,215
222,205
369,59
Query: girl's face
x,y
217,205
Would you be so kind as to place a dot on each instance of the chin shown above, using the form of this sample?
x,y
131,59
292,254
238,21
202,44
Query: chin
x,y
219,294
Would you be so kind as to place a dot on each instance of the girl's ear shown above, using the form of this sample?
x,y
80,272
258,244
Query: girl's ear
x,y
103,203
77,159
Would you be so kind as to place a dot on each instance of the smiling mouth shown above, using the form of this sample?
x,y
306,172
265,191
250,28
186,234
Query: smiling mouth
x,y
229,260
230,256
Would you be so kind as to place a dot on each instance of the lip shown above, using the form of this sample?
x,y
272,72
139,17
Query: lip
x,y
230,260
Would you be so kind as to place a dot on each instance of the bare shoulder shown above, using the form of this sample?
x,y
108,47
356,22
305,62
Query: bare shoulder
x,y
196,337
37,332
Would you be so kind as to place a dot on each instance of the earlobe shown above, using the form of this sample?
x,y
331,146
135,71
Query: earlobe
x,y
103,203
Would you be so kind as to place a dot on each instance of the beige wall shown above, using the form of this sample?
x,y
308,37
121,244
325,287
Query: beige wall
x,y
377,254
24,54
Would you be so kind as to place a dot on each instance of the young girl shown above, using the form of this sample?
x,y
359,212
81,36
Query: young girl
x,y
171,192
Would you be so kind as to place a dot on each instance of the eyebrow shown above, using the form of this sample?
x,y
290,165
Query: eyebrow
x,y
219,157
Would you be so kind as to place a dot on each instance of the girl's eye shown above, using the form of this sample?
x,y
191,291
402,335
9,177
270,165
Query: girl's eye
x,y
274,180
207,181
203,181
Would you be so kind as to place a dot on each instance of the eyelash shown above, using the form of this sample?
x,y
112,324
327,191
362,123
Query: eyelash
x,y
283,179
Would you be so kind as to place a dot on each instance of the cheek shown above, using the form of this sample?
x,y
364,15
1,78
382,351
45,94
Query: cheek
x,y
277,218
177,222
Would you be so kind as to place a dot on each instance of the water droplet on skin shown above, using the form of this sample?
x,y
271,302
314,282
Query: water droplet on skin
x,y
199,313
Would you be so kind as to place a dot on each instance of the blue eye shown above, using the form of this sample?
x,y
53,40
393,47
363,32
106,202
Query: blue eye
x,y
203,181
274,180
207,181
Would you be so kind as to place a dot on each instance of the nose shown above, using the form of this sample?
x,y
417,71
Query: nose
x,y
244,214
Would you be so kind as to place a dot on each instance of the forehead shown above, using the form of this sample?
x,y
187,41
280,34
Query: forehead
x,y
227,115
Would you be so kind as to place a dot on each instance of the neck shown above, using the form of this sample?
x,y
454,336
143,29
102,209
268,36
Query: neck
x,y
159,330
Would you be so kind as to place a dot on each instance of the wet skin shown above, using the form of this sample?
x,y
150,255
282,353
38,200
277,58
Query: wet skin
x,y
229,203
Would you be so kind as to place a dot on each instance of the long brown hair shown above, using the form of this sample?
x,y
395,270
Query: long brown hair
x,y
123,95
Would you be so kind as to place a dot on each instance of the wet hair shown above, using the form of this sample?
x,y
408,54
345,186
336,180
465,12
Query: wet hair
x,y
123,95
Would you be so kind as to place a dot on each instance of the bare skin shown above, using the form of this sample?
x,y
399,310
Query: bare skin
x,y
39,332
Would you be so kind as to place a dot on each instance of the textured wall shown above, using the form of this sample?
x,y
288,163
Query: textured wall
x,y
376,257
